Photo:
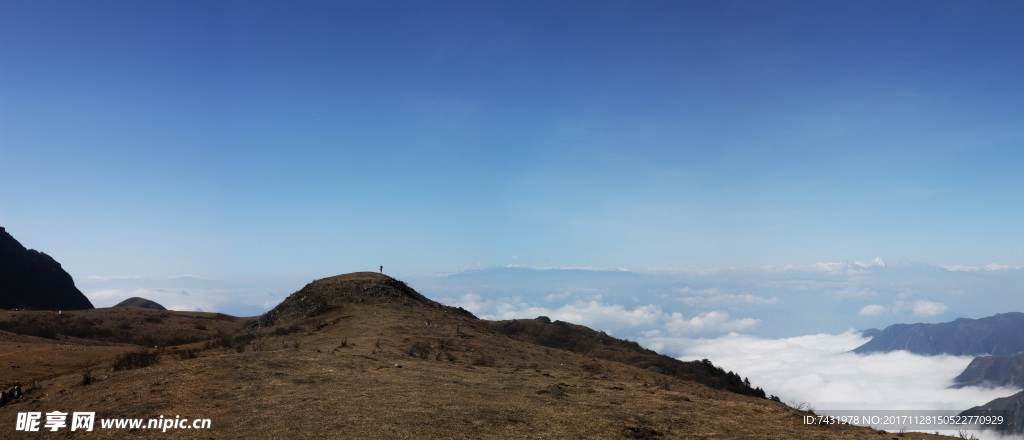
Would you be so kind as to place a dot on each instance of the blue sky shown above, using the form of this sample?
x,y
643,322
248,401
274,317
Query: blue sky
x,y
260,145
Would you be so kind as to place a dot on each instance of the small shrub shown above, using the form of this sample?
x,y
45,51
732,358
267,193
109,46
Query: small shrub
x,y
188,353
420,349
592,367
87,378
484,361
136,359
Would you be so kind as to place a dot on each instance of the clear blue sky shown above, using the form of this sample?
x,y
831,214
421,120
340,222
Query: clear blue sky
x,y
294,140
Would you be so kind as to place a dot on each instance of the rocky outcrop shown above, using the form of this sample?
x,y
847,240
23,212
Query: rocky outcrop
x,y
30,279
9,395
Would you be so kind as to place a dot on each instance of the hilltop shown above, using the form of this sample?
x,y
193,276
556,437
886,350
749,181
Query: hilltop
x,y
365,356
140,302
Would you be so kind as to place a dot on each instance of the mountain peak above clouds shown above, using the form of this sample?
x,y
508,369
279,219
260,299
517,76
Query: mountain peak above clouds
x,y
998,334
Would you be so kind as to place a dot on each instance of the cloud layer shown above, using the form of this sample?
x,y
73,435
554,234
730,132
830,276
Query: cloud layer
x,y
819,370
649,319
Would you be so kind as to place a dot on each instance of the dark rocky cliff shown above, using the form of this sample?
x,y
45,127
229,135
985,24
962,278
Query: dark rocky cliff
x,y
30,279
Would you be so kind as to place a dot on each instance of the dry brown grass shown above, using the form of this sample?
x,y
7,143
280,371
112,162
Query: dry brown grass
x,y
336,375
116,331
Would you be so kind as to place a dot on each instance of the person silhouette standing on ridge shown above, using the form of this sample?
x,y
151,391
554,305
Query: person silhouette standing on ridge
x,y
382,270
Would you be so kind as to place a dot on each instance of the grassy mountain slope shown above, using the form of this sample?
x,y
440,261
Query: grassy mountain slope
x,y
44,343
580,339
362,356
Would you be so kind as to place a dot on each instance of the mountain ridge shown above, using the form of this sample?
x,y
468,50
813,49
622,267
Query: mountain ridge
x,y
994,335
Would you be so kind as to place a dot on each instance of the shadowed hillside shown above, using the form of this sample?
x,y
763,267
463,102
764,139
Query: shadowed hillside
x,y
993,371
580,339
30,279
1011,408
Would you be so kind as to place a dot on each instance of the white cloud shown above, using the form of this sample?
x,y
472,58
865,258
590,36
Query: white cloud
x,y
729,299
708,322
691,291
189,277
994,266
821,370
717,296
959,268
586,268
878,261
991,267
830,267
873,310
598,315
853,291
928,308
112,277
816,300
557,296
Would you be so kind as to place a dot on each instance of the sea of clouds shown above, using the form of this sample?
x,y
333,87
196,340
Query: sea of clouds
x,y
819,372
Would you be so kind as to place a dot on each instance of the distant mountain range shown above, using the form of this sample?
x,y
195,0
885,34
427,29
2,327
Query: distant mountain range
x,y
140,302
999,339
996,335
30,279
